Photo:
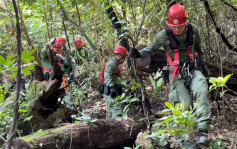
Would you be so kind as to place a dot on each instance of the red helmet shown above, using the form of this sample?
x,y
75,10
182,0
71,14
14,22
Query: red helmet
x,y
121,50
59,42
79,42
177,15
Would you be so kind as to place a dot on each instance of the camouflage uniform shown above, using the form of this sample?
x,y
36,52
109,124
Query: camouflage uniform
x,y
198,86
112,80
67,66
83,52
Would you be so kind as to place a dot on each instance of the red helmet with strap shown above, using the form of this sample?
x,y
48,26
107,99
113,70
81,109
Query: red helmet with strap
x,y
121,50
59,42
177,15
79,42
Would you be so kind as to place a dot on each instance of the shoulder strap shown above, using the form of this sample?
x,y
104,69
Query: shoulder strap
x,y
189,31
102,79
190,42
174,43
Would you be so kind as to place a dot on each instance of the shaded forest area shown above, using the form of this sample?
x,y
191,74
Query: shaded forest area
x,y
32,112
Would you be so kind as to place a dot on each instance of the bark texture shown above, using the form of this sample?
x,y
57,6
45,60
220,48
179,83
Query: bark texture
x,y
109,133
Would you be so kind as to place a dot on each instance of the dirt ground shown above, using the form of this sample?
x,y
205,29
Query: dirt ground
x,y
224,119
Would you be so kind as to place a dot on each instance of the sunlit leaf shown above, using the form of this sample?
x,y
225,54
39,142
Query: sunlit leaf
x,y
169,105
226,78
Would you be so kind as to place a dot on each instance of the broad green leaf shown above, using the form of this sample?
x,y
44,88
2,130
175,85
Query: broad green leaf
x,y
227,78
121,21
134,99
177,112
169,105
26,70
2,60
10,60
162,142
28,118
13,75
159,82
222,93
13,68
22,111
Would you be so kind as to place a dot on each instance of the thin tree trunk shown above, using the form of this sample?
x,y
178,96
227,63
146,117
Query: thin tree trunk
x,y
65,30
16,102
78,27
46,21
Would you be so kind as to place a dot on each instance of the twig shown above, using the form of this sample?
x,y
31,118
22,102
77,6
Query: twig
x,y
229,106
228,4
143,95
3,139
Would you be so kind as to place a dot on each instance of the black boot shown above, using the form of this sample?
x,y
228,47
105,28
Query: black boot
x,y
203,138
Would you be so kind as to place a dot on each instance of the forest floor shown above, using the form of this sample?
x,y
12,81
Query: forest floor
x,y
224,131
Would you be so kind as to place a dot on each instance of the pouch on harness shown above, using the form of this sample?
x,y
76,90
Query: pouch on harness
x,y
103,88
174,45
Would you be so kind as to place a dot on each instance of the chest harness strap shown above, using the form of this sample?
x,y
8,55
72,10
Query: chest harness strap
x,y
59,64
102,79
174,44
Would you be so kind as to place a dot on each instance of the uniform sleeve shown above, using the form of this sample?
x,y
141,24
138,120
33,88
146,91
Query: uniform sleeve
x,y
197,44
155,45
110,70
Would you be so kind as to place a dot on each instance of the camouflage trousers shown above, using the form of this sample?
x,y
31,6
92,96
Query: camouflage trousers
x,y
113,108
199,91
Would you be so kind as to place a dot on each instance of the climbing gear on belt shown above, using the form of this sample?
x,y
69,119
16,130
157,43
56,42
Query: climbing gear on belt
x,y
174,44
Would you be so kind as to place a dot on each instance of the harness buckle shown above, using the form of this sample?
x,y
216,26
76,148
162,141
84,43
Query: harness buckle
x,y
176,63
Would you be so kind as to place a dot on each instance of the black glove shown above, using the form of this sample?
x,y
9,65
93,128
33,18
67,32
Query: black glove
x,y
134,53
66,66
119,89
113,92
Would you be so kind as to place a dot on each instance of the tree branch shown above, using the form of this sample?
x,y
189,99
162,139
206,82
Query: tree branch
x,y
228,4
218,30
78,27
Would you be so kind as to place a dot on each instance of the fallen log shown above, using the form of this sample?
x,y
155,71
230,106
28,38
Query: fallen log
x,y
101,134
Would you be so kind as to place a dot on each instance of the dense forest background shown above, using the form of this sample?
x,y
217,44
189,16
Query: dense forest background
x,y
41,20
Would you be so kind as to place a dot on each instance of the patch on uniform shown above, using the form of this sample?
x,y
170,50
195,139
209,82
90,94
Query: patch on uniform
x,y
175,21
168,42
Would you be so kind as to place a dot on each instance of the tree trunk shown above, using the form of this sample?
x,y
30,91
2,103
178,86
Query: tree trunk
x,y
109,133
18,78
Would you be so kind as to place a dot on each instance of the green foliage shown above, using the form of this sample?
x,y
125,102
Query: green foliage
x,y
33,92
84,118
177,123
157,83
220,82
216,144
126,101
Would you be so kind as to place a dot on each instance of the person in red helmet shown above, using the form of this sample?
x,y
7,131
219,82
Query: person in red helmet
x,y
110,80
185,65
57,45
65,62
81,53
